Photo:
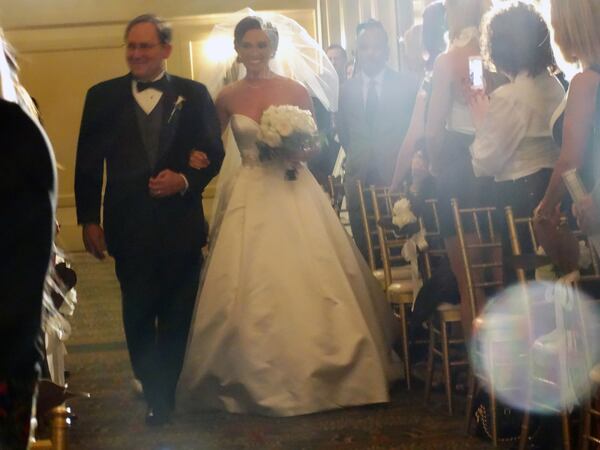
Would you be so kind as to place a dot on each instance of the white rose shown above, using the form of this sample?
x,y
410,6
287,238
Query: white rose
x,y
284,128
270,138
402,214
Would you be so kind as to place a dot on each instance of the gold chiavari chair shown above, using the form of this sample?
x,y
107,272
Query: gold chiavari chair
x,y
372,238
590,411
591,403
400,292
51,405
481,250
545,356
444,329
59,422
591,406
337,194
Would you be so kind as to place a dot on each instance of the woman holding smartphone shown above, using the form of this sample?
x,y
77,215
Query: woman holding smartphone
x,y
449,130
577,34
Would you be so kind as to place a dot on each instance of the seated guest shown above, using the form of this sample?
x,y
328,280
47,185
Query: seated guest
x,y
513,141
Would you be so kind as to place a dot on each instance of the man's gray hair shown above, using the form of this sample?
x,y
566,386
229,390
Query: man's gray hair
x,y
163,28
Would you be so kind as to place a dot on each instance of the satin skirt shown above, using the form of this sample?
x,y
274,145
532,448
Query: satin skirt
x,y
288,318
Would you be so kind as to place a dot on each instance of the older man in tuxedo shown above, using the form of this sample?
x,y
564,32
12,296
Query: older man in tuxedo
x,y
143,126
374,114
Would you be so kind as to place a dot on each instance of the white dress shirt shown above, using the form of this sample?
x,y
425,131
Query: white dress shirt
x,y
366,83
515,138
148,98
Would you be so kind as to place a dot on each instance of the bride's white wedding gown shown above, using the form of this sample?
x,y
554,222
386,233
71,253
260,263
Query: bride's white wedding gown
x,y
288,318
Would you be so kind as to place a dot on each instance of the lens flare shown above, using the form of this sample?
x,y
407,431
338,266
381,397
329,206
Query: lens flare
x,y
536,345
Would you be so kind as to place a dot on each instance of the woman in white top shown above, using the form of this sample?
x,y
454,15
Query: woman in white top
x,y
513,140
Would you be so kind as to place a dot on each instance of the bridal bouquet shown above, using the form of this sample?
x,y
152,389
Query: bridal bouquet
x,y
286,133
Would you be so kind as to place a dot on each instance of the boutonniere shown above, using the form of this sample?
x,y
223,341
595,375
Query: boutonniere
x,y
176,107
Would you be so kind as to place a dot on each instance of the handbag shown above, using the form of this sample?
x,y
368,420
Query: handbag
x,y
508,419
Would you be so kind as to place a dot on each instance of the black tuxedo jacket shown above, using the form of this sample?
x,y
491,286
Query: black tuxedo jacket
x,y
28,198
134,222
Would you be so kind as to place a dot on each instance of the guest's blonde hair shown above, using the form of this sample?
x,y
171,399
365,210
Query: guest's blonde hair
x,y
576,29
462,14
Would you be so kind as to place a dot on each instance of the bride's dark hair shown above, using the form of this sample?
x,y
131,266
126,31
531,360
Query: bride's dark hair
x,y
255,23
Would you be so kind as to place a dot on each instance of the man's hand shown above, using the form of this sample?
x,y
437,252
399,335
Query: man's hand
x,y
165,184
198,160
587,214
93,239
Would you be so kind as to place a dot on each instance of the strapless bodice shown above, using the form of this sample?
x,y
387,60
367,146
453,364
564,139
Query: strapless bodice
x,y
245,131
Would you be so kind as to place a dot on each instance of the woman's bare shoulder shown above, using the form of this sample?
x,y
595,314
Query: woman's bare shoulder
x,y
586,79
584,86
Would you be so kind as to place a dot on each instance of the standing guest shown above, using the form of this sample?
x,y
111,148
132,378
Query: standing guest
x,y
513,140
339,58
577,120
449,130
144,125
28,197
434,43
375,109
412,51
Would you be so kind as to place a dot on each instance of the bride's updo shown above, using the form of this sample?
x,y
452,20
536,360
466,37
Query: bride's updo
x,y
255,23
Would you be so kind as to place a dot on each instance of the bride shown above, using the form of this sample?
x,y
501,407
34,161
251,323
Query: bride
x,y
288,319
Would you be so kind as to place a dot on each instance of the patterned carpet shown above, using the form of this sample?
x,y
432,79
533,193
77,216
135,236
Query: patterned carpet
x,y
113,418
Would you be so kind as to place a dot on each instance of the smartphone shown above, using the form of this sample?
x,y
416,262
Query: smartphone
x,y
476,72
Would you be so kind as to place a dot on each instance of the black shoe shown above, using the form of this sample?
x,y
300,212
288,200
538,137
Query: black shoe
x,y
156,417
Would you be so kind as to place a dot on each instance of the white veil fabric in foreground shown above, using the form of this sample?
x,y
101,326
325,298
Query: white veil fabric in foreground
x,y
298,56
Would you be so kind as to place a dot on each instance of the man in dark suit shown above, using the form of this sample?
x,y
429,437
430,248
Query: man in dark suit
x,y
28,198
144,126
374,114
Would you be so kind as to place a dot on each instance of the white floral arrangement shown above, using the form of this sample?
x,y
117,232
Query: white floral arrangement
x,y
402,213
286,132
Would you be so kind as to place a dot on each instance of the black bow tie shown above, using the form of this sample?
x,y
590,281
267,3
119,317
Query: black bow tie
x,y
160,85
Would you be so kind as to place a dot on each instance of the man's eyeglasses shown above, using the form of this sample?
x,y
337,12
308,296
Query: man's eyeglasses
x,y
144,47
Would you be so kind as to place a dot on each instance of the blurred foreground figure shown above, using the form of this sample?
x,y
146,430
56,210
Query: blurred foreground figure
x,y
28,197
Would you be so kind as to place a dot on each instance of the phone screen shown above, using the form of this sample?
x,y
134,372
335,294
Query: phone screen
x,y
476,72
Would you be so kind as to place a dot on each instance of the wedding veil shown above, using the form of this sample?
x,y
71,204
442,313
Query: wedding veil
x,y
298,56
